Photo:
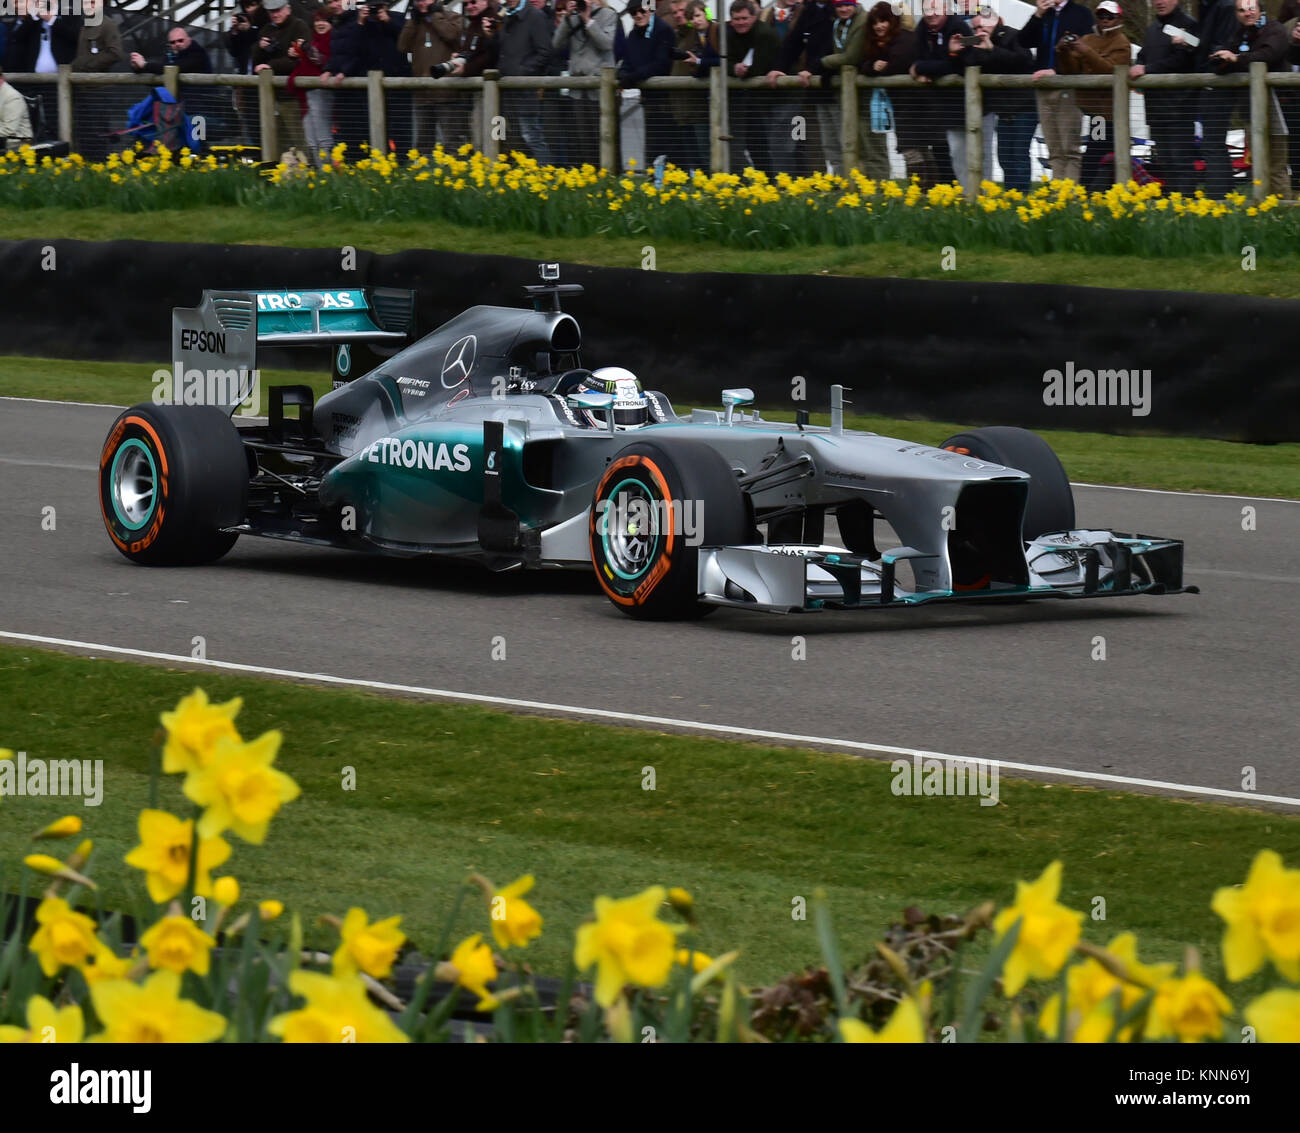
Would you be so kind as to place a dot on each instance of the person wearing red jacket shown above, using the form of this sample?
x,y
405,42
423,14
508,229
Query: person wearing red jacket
x,y
316,105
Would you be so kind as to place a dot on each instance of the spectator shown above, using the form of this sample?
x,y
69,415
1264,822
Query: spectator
x,y
316,105
271,53
1289,97
780,16
1170,114
430,36
848,34
182,52
479,43
942,117
1261,40
696,50
751,52
587,31
1216,28
1098,54
246,24
557,120
804,46
1014,112
351,116
99,46
15,121
889,49
525,50
1058,110
379,30
644,53
42,40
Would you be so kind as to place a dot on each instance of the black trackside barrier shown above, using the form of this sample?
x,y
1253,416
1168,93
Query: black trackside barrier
x,y
1163,362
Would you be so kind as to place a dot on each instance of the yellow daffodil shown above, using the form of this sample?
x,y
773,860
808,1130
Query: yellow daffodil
x,y
152,1012
628,944
47,1024
269,909
1189,1008
681,901
66,827
1275,1015
225,891
164,855
696,961
1263,918
1048,930
65,937
107,965
372,948
52,867
475,969
240,789
193,728
905,1026
514,921
179,945
1090,985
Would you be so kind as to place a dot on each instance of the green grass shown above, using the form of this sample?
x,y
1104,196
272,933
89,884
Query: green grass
x,y
1273,277
1175,463
445,789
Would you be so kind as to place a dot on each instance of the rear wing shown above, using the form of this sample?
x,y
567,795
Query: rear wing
x,y
214,345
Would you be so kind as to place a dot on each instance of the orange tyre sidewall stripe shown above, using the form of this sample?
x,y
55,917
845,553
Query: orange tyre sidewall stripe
x,y
661,568
110,446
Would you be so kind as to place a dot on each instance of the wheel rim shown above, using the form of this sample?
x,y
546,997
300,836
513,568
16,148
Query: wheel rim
x,y
134,484
629,529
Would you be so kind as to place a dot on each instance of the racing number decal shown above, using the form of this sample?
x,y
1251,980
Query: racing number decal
x,y
651,472
110,450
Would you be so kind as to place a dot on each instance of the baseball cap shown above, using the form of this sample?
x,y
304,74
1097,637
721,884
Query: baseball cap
x,y
635,6
1105,6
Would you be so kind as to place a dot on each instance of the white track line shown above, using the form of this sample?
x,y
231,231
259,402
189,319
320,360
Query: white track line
x,y
51,401
1199,495
48,464
638,718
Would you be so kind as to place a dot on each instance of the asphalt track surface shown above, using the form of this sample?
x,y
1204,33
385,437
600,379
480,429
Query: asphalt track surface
x,y
1192,689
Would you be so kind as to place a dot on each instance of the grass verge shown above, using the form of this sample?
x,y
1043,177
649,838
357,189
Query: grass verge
x,y
1273,276
441,790
1173,463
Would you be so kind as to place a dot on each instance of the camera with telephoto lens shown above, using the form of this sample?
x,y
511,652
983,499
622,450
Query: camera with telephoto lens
x,y
439,70
1069,37
966,40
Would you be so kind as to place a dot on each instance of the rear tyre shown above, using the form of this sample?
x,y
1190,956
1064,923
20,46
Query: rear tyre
x,y
1050,506
638,534
170,477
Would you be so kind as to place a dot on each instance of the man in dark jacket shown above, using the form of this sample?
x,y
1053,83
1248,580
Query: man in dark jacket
x,y
942,114
751,51
1170,114
999,52
802,49
644,53
525,50
1260,40
1216,28
431,34
271,53
1058,110
42,40
475,53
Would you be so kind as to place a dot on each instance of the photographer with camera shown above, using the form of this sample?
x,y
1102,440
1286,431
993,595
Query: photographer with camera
x,y
587,31
1058,110
316,105
430,37
182,52
278,49
525,35
942,43
1098,54
1010,116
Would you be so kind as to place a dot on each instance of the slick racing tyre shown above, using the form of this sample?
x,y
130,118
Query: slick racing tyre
x,y
645,556
170,477
1050,506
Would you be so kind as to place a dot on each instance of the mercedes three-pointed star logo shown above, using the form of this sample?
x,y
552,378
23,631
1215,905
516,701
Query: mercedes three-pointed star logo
x,y
459,361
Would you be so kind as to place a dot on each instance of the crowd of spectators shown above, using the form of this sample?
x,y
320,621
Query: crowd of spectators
x,y
794,129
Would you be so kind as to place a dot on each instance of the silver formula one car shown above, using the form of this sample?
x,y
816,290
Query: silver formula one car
x,y
487,441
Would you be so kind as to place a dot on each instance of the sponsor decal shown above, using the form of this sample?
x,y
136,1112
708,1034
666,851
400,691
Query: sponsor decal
x,y
306,300
398,453
459,397
345,424
204,341
414,387
459,361
343,360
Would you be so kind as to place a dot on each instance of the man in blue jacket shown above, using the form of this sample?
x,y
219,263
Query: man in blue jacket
x,y
647,51
1058,110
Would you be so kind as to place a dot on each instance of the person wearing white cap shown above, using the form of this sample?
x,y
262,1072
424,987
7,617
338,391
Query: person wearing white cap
x,y
1098,54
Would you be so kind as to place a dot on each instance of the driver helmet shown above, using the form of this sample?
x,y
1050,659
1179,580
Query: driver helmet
x,y
631,407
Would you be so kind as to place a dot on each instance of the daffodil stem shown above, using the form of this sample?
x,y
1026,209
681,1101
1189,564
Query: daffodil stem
x,y
194,862
155,768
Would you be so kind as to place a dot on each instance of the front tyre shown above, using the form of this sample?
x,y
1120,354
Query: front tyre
x,y
654,507
170,477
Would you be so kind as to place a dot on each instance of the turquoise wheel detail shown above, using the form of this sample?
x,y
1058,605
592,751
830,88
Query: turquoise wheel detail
x,y
629,529
134,484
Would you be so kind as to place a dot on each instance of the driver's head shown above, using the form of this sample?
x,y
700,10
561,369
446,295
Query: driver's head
x,y
631,408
